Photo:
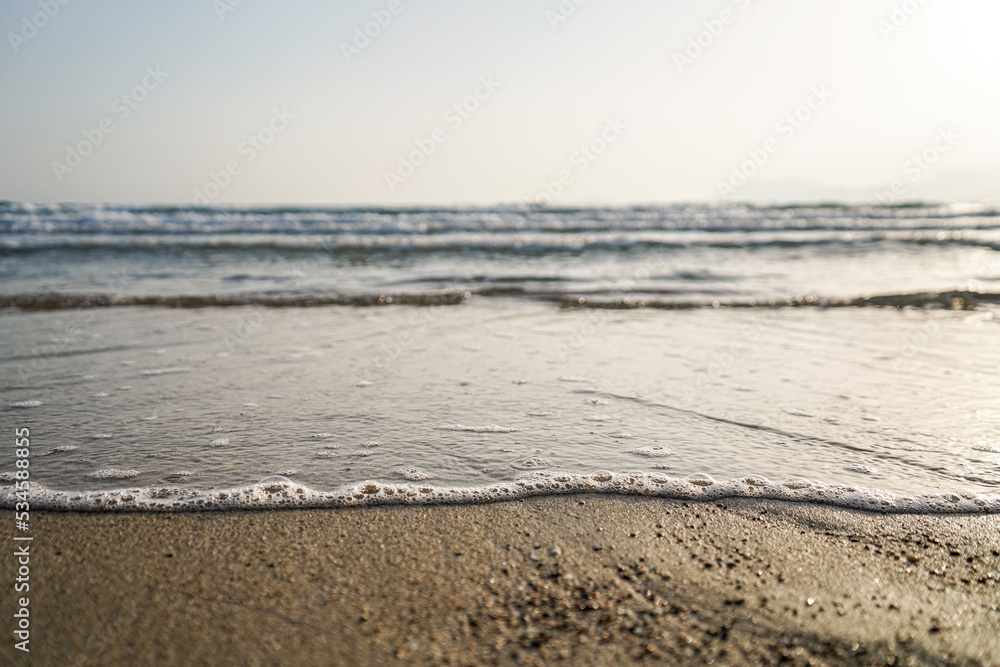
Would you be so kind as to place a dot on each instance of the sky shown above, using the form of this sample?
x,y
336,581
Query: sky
x,y
394,102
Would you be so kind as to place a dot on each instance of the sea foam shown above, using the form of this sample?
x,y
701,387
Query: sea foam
x,y
277,492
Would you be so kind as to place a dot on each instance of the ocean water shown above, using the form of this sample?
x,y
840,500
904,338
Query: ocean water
x,y
185,358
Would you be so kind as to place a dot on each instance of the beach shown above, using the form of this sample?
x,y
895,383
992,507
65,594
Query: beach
x,y
500,334
727,435
583,579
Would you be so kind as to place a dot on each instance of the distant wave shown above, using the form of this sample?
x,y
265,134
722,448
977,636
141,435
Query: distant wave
x,y
180,220
520,243
952,300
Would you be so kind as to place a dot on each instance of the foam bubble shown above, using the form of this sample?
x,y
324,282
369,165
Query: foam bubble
x,y
700,479
651,451
277,491
987,448
362,383
321,436
100,394
369,443
101,436
113,473
287,473
150,418
25,404
412,474
491,428
544,413
361,453
219,442
8,476
622,435
861,468
531,463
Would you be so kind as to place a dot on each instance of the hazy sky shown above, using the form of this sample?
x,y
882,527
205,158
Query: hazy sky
x,y
269,91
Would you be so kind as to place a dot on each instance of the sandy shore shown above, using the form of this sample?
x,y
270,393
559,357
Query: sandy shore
x,y
587,580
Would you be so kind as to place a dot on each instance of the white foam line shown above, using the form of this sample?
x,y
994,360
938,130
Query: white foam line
x,y
277,492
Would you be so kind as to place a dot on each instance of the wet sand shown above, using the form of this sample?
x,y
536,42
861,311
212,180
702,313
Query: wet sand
x,y
582,579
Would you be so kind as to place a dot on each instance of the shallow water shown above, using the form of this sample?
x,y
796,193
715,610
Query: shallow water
x,y
503,386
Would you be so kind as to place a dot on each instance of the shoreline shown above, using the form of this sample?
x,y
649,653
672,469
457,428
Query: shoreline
x,y
276,492
588,579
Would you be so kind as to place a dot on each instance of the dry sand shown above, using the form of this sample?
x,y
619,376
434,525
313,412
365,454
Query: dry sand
x,y
583,579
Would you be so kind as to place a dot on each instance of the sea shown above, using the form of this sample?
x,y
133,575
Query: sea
x,y
182,358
